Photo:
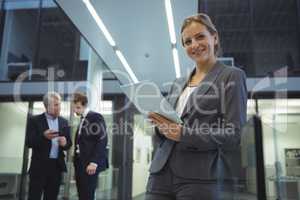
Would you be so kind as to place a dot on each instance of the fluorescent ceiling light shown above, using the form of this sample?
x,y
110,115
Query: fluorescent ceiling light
x,y
99,22
170,21
176,62
109,38
172,33
126,65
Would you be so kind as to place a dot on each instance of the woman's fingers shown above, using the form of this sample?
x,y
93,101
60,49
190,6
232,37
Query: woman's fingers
x,y
155,118
159,118
168,128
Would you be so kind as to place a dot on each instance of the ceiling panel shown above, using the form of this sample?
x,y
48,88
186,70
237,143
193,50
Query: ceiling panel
x,y
139,27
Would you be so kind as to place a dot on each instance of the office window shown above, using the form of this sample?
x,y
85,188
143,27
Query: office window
x,y
262,36
37,38
57,48
19,23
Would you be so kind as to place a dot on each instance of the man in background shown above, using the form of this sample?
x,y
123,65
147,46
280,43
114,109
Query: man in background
x,y
90,156
48,135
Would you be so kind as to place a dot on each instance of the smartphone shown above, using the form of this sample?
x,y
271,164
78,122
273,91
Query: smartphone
x,y
55,133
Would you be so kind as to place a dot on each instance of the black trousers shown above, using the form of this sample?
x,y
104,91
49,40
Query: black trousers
x,y
45,181
167,186
86,184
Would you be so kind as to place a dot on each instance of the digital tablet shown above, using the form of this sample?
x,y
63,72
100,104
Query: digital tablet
x,y
146,97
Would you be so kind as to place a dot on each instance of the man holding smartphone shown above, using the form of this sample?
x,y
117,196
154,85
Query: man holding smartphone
x,y
48,135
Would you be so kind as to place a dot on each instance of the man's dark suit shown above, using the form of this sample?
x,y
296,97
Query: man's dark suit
x,y
92,142
45,174
208,150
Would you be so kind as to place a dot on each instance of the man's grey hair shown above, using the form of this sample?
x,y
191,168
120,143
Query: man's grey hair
x,y
48,96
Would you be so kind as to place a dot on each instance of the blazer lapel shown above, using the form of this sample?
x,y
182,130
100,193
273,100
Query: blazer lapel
x,y
45,127
44,121
60,127
85,120
203,87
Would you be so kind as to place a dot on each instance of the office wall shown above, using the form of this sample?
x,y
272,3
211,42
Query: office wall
x,y
279,136
12,136
142,151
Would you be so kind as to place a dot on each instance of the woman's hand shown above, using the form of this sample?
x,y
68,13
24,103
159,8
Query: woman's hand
x,y
168,128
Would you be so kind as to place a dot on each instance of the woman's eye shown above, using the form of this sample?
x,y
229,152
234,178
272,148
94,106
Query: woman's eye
x,y
199,37
187,42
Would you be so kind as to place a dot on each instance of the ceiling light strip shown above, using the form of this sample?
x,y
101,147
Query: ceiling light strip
x,y
172,33
170,20
99,22
176,62
126,65
109,38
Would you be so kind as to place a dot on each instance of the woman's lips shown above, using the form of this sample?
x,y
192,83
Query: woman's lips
x,y
198,52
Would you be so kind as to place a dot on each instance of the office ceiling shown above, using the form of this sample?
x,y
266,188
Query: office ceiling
x,y
140,30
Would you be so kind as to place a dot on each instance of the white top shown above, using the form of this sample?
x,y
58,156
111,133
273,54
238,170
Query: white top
x,y
183,99
83,116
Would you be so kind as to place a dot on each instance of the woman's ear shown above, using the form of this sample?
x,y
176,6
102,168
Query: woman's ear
x,y
216,39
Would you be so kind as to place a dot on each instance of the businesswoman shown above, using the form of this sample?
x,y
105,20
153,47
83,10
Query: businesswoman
x,y
199,159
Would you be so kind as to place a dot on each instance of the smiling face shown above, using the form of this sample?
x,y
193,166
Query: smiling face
x,y
199,43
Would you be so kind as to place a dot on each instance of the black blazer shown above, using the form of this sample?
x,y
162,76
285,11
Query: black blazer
x,y
41,146
93,141
210,142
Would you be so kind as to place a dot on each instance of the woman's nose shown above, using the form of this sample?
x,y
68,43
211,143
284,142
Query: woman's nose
x,y
194,44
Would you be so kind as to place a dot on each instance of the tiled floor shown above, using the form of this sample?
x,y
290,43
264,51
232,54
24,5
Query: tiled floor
x,y
107,196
